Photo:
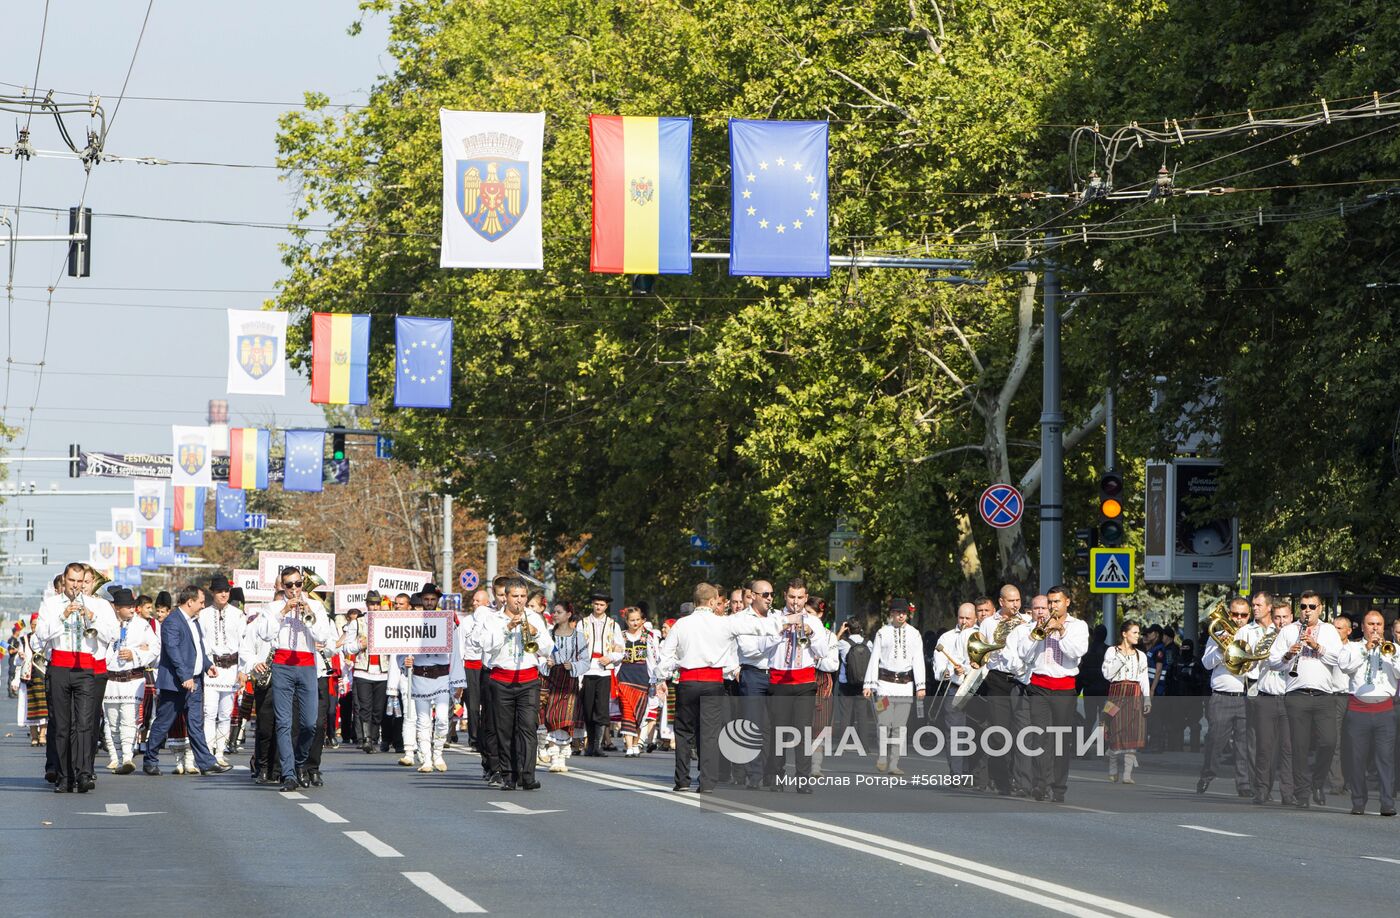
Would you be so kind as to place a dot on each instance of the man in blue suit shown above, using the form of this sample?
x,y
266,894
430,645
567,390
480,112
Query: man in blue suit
x,y
184,663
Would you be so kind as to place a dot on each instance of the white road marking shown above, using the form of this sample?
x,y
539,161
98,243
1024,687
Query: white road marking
x,y
1388,860
121,809
292,795
325,815
372,845
445,894
1216,831
1052,896
514,809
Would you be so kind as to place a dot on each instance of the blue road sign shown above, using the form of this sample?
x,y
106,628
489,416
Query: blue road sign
x,y
255,521
700,543
1111,570
1001,506
469,580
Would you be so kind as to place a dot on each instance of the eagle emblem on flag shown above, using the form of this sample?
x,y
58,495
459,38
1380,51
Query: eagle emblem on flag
x,y
493,184
148,507
192,457
104,549
257,354
124,529
642,190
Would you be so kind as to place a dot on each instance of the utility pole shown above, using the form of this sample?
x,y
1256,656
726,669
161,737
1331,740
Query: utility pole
x,y
618,566
1110,462
490,554
1052,420
447,579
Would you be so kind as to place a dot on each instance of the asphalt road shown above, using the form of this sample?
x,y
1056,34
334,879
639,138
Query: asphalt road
x,y
611,838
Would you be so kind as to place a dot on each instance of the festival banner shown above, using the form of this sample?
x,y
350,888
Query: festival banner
x,y
339,359
410,631
391,581
641,195
422,363
160,465
257,352
193,456
491,189
779,194
248,449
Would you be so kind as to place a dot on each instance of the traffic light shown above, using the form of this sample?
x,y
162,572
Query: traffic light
x,y
75,453
1111,531
338,446
29,530
44,557
1089,540
80,253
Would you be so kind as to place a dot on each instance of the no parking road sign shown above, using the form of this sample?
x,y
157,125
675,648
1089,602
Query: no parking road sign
x,y
1001,506
469,580
1111,570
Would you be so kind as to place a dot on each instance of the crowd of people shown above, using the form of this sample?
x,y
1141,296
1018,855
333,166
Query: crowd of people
x,y
1303,705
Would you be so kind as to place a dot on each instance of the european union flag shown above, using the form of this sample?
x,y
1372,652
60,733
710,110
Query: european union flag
x,y
129,576
306,452
230,504
778,224
422,363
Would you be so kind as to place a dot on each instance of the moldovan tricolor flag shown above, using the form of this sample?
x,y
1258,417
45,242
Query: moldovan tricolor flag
x,y
247,457
189,509
491,189
641,195
339,359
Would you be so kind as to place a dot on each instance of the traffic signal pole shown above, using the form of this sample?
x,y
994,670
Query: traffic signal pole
x,y
1110,461
1052,422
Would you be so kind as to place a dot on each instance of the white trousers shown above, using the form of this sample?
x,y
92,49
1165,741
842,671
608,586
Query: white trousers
x,y
218,710
431,709
890,725
119,722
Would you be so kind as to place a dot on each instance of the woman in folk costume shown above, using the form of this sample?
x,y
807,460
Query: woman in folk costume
x,y
568,660
827,669
32,710
636,678
1129,700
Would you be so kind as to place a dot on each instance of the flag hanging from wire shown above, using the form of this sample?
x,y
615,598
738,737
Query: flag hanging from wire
x,y
779,189
248,449
193,457
422,362
491,168
230,506
641,195
257,352
148,499
189,508
305,459
339,359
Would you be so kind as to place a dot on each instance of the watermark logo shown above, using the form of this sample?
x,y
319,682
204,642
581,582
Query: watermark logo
x,y
741,741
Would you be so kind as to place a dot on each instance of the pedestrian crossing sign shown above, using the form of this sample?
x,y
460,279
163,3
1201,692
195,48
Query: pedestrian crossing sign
x,y
1111,570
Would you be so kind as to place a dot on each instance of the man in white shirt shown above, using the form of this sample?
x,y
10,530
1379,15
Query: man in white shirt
x,y
894,677
135,648
752,650
1003,687
950,665
1373,670
223,626
605,649
1225,711
295,626
1306,651
1268,717
1051,650
514,646
792,679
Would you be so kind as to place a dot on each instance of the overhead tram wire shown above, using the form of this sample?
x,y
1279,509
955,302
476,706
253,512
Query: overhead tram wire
x,y
82,200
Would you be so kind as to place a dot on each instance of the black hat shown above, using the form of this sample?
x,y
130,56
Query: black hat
x,y
430,588
901,605
354,610
219,584
123,597
164,601
597,595
235,596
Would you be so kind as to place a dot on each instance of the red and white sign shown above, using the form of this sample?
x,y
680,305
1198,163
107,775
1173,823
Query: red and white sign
x,y
410,631
1001,506
350,597
251,584
391,581
270,562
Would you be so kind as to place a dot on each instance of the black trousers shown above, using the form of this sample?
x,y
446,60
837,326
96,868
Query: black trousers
x,y
472,699
1273,747
1002,693
595,696
349,725
324,710
517,717
486,737
1226,719
1052,708
1312,723
1370,737
793,707
72,696
697,729
370,701
265,758
754,689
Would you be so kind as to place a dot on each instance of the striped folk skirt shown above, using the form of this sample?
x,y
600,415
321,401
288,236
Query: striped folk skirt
x,y
821,712
36,700
632,699
1127,728
561,709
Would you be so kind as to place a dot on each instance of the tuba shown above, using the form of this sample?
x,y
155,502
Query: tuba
x,y
978,648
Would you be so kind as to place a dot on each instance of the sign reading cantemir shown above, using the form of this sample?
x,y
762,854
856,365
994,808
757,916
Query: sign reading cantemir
x,y
250,582
391,581
410,631
270,562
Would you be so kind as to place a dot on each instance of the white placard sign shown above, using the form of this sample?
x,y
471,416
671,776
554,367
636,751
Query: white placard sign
x,y
251,584
391,581
350,597
270,562
410,631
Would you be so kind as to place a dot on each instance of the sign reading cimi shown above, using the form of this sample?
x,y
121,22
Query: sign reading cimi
x,y
410,631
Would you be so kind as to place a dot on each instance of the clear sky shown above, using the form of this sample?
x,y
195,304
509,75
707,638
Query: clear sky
x,y
141,344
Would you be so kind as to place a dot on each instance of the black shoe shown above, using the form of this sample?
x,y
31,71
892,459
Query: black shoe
x,y
1358,811
1038,795
63,788
804,789
681,788
1244,793
753,784
289,785
261,779
302,779
316,780
608,747
51,777
152,770
1301,803
529,784
126,768
85,783
1389,812
1202,784
1259,801
1058,797
651,747
496,782
705,789
368,748
507,785
215,769
1320,797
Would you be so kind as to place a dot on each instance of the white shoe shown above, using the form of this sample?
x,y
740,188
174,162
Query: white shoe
x,y
221,761
425,768
113,765
881,765
180,767
406,761
896,770
816,772
557,766
439,765
1129,781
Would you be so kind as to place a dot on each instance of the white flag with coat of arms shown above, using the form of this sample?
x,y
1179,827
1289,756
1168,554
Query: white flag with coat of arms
x,y
192,458
148,499
257,352
491,189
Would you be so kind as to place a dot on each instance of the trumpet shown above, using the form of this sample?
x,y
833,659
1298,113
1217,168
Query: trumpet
x,y
527,639
1387,648
1039,632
